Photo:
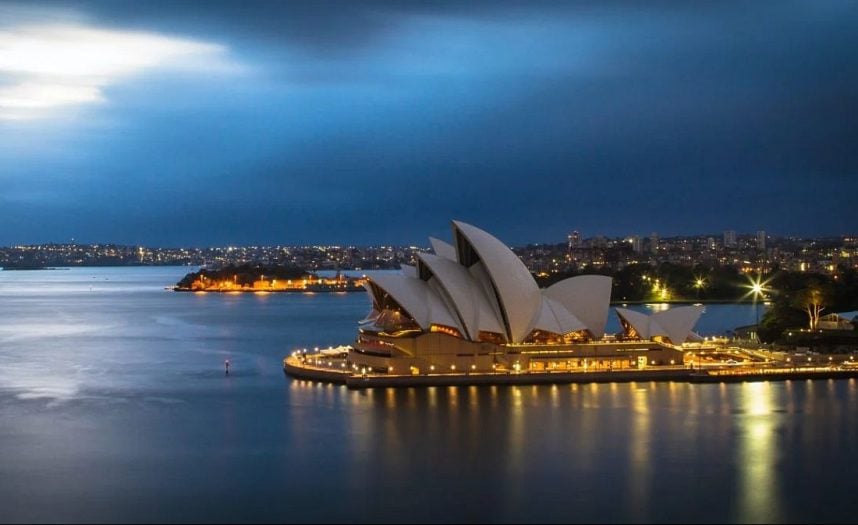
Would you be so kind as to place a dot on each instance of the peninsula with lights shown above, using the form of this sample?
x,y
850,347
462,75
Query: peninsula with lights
x,y
471,313
265,278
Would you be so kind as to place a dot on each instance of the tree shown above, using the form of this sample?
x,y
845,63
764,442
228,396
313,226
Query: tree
x,y
777,319
813,301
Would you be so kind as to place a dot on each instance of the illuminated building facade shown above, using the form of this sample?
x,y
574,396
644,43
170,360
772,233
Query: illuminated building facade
x,y
474,306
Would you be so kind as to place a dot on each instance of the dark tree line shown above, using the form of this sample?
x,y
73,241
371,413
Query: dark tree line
x,y
637,282
799,299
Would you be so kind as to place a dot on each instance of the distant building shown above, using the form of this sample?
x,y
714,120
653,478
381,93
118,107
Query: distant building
x,y
574,240
637,245
710,243
653,242
761,240
730,239
841,321
746,333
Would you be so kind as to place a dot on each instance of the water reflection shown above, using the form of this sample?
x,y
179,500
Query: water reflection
x,y
514,451
639,481
148,412
606,451
758,454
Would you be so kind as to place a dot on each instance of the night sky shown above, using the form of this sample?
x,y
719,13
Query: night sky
x,y
205,123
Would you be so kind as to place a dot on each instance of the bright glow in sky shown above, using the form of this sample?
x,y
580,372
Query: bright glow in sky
x,y
55,66
176,123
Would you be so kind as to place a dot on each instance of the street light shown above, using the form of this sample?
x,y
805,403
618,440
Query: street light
x,y
698,284
757,288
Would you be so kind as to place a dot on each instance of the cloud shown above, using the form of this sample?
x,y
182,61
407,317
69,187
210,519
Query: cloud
x,y
46,68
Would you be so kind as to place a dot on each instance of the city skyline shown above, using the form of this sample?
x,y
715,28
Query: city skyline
x,y
296,123
751,253
448,261
725,238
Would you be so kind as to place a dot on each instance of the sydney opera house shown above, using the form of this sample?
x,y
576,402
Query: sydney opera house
x,y
473,306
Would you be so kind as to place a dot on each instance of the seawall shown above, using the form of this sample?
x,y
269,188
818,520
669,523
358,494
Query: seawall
x,y
295,368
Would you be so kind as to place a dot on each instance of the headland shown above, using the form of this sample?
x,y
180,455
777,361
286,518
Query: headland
x,y
472,313
265,278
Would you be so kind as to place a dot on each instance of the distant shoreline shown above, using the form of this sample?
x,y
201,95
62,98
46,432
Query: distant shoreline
x,y
746,301
251,290
30,268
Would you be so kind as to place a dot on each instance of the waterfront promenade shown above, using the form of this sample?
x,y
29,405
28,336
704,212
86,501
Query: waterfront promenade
x,y
318,367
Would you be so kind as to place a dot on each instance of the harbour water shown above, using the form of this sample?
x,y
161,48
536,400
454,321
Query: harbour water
x,y
114,406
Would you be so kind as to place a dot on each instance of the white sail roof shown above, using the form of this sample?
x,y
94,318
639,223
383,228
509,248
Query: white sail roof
x,y
408,270
471,305
371,316
639,321
678,322
587,297
695,337
675,323
443,249
480,285
554,317
484,283
517,293
418,299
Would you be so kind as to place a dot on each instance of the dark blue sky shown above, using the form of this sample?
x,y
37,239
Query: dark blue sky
x,y
191,123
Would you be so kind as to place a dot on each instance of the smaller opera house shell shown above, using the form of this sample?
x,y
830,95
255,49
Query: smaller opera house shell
x,y
473,306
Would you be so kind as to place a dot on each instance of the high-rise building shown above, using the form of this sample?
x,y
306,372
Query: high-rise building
x,y
710,243
574,246
761,240
730,239
653,242
574,240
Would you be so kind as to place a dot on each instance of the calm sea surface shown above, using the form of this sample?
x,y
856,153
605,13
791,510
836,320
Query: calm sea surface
x,y
114,407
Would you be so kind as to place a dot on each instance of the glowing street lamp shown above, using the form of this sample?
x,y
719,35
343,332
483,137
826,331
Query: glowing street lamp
x,y
757,288
699,283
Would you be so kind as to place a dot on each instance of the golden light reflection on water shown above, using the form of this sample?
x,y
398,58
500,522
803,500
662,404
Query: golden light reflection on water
x,y
757,454
473,394
412,397
727,438
614,395
586,441
672,392
453,393
810,396
516,435
639,449
756,398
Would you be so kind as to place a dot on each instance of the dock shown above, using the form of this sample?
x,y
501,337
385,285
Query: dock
x,y
336,371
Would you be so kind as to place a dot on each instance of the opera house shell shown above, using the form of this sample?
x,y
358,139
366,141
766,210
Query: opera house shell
x,y
474,306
